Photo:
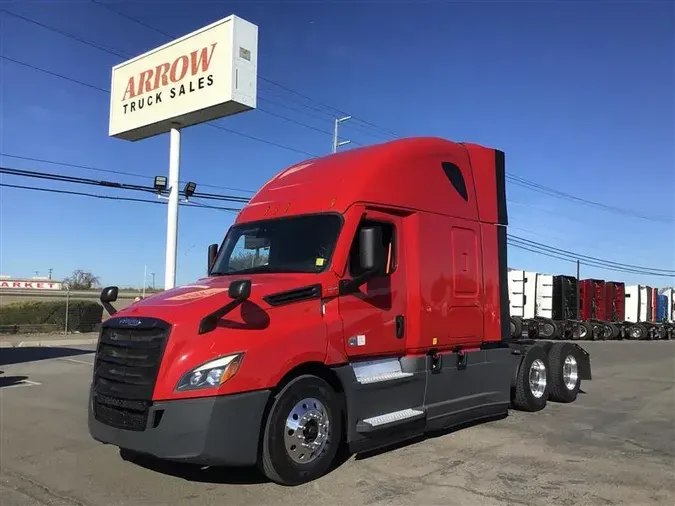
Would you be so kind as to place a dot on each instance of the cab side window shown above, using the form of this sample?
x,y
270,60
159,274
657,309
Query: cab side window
x,y
389,243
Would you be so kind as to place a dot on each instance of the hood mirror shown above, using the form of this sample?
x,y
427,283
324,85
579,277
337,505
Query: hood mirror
x,y
109,294
240,290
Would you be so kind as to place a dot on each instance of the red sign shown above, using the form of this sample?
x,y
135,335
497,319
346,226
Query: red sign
x,y
149,80
29,285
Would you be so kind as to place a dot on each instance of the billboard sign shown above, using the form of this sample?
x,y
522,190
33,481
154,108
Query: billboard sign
x,y
207,74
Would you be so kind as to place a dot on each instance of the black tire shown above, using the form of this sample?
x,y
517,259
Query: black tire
x,y
516,327
546,329
606,332
638,332
660,332
276,463
523,397
586,331
559,332
616,333
557,355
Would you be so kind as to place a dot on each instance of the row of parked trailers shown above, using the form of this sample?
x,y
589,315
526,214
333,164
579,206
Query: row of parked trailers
x,y
546,306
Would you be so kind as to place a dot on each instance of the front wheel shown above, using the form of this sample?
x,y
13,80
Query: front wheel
x,y
302,431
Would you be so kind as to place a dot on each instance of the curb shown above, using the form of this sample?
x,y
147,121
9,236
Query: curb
x,y
49,343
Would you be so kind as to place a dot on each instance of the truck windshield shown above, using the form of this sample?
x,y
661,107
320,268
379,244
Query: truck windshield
x,y
294,244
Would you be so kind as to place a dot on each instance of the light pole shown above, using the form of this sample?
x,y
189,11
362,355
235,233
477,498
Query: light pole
x,y
336,141
161,186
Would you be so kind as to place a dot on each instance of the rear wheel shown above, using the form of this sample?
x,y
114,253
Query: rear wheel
x,y
302,431
516,327
606,331
586,331
660,332
616,331
638,332
532,382
564,371
546,329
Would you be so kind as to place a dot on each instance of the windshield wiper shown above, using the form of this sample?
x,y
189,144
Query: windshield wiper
x,y
250,270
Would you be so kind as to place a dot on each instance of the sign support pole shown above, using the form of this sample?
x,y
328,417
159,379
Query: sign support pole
x,y
172,210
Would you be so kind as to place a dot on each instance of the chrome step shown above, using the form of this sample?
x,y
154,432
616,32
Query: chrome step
x,y
395,416
375,371
387,376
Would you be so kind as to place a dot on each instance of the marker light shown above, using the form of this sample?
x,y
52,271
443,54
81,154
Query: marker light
x,y
211,374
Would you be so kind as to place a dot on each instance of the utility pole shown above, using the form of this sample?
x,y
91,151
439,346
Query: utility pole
x,y
50,273
336,137
153,280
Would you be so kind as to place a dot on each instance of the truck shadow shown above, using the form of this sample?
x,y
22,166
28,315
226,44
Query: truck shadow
x,y
8,381
252,476
195,473
413,440
36,353
217,475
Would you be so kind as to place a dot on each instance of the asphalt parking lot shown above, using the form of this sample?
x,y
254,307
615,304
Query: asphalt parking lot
x,y
615,445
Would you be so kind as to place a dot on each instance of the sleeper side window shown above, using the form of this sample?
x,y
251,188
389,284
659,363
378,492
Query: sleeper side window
x,y
388,240
454,175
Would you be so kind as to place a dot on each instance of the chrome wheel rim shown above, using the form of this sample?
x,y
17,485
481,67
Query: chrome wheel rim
x,y
537,378
306,431
570,372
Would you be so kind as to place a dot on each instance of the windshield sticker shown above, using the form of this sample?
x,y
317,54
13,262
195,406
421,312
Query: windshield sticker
x,y
320,261
197,294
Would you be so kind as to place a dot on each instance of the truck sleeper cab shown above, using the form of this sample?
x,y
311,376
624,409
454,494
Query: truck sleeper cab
x,y
358,299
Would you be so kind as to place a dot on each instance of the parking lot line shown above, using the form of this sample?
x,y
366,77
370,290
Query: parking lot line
x,y
23,383
76,361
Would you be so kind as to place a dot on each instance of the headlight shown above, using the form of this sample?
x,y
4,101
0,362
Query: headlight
x,y
211,374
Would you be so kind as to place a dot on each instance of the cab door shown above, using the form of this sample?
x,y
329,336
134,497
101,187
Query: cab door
x,y
374,316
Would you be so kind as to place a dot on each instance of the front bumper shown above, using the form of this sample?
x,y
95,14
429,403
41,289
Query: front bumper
x,y
221,430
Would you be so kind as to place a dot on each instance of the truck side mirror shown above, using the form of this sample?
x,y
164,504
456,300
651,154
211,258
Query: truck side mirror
x,y
108,295
240,290
213,251
372,252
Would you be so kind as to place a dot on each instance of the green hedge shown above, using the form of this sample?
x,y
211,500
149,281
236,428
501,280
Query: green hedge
x,y
48,316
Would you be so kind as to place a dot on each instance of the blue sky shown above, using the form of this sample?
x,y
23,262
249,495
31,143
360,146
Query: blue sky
x,y
580,96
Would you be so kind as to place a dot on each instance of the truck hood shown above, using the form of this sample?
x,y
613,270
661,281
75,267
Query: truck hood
x,y
262,331
207,292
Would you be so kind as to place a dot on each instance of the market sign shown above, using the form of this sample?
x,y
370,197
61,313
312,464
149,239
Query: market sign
x,y
207,74
30,284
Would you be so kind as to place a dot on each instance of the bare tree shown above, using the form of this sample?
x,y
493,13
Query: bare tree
x,y
81,280
245,260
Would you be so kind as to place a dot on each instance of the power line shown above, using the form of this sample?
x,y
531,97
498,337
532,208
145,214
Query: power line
x,y
73,179
109,184
110,171
520,181
587,257
110,197
568,256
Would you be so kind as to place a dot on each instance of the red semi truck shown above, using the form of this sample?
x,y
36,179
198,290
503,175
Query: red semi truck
x,y
358,300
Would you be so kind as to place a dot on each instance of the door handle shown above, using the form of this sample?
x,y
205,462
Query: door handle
x,y
400,326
